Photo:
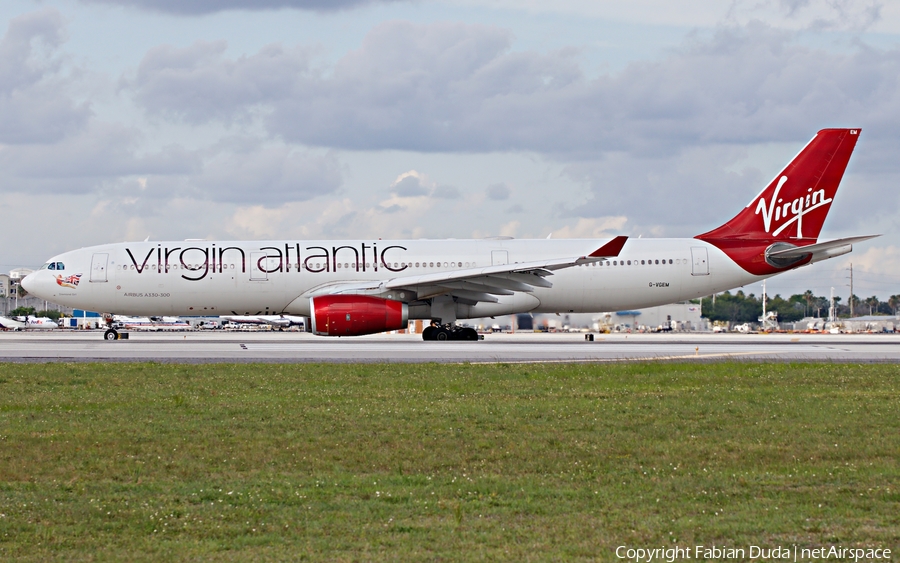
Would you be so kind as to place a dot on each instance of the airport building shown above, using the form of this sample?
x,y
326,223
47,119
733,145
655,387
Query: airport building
x,y
19,273
683,316
865,324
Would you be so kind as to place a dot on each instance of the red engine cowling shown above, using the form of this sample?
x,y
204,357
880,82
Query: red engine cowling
x,y
355,315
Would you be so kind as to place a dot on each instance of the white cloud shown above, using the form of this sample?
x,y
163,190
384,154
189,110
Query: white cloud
x,y
879,260
498,192
268,175
200,7
85,162
789,14
410,184
510,229
456,87
34,105
597,227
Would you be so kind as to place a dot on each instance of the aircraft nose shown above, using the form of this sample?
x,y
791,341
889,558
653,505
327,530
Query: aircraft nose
x,y
28,283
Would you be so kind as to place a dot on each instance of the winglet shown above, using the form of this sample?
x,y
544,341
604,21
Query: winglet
x,y
612,248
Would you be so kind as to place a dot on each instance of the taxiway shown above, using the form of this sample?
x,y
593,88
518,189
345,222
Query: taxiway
x,y
217,346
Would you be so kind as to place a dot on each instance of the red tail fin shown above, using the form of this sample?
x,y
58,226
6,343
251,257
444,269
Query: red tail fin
x,y
793,207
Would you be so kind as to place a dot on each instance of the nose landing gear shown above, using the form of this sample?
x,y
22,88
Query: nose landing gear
x,y
111,332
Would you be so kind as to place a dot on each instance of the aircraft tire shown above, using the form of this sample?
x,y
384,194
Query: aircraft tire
x,y
428,333
111,334
468,334
442,334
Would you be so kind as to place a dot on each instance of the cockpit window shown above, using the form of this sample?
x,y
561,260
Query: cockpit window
x,y
59,266
53,266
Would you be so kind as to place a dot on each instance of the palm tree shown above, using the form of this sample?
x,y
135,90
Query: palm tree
x,y
894,303
809,298
872,303
820,303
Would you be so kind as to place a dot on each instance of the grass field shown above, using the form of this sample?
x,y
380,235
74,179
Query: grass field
x,y
411,462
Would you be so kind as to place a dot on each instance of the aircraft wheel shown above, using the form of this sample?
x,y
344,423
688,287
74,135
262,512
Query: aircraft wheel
x,y
442,334
469,334
428,333
111,334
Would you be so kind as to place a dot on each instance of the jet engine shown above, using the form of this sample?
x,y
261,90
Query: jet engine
x,y
355,315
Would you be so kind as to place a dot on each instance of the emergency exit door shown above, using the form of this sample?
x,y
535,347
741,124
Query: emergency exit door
x,y
499,257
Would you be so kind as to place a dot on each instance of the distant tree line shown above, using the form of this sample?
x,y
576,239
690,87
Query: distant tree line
x,y
742,308
30,312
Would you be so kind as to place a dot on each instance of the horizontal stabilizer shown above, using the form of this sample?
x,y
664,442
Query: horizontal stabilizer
x,y
799,251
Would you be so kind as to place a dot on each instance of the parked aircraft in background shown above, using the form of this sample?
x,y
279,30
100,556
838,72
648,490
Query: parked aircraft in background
x,y
150,323
277,321
27,323
358,287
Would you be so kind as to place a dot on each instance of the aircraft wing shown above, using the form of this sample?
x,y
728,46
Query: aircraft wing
x,y
473,285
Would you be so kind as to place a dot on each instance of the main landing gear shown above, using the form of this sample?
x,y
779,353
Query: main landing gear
x,y
113,334
449,332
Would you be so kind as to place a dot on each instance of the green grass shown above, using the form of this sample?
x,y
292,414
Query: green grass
x,y
410,462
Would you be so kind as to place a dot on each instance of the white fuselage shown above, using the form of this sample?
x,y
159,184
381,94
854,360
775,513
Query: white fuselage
x,y
273,277
28,323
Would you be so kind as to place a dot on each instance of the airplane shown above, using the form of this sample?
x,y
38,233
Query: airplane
x,y
154,324
280,322
27,323
358,287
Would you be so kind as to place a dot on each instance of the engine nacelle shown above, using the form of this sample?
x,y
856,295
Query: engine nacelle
x,y
355,315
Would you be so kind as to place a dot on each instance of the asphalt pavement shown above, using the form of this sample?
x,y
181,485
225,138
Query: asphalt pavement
x,y
221,346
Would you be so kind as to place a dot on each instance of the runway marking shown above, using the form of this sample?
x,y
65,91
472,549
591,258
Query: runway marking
x,y
523,348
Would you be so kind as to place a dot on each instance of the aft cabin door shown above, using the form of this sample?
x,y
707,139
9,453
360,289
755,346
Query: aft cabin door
x,y
98,267
699,261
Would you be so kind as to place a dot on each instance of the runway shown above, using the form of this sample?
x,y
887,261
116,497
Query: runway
x,y
276,347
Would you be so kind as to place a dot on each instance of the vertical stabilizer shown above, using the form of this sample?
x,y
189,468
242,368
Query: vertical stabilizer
x,y
791,210
794,205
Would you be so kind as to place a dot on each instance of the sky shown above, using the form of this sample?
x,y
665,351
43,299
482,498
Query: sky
x,y
309,119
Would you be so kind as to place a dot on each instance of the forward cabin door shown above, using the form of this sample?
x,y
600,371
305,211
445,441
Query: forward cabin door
x,y
98,267
699,261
